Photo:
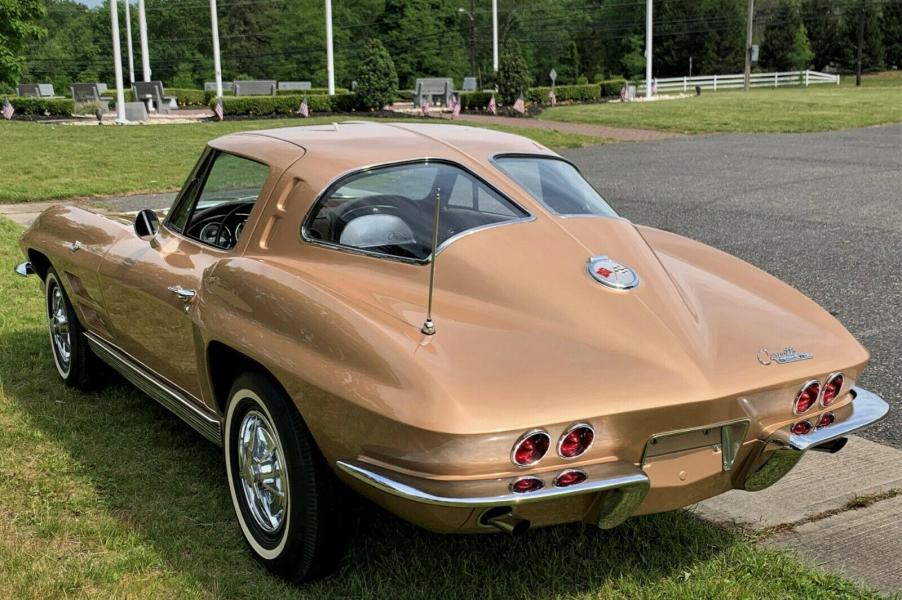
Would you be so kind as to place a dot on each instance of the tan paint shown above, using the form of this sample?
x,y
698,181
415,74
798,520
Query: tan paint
x,y
525,337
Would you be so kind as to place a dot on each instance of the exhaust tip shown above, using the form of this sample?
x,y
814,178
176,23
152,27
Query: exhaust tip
x,y
502,518
833,446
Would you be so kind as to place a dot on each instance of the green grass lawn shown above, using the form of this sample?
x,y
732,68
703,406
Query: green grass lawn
x,y
43,162
782,110
107,495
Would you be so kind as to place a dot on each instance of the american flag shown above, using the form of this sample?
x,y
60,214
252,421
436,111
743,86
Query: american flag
x,y
493,107
455,107
217,110
8,109
304,108
520,105
552,98
424,107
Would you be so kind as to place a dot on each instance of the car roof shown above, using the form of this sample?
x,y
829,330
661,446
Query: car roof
x,y
368,142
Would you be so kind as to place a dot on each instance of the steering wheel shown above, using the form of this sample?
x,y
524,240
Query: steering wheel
x,y
222,222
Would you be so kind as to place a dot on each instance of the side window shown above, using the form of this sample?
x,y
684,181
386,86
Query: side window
x,y
222,200
390,210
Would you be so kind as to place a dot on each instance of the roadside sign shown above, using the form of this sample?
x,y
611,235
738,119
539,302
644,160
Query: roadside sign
x,y
755,53
553,75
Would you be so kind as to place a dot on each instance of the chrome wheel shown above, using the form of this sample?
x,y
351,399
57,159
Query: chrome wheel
x,y
261,471
59,327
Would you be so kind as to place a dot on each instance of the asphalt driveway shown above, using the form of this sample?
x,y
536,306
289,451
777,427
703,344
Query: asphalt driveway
x,y
822,211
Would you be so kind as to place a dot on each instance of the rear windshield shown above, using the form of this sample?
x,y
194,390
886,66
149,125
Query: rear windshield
x,y
556,184
390,210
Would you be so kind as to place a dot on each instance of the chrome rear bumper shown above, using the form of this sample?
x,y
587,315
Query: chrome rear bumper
x,y
625,484
24,269
867,409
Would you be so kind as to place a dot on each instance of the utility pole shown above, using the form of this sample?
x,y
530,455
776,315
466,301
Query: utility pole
x,y
217,65
648,28
128,40
330,59
860,42
117,62
495,35
472,44
142,31
748,45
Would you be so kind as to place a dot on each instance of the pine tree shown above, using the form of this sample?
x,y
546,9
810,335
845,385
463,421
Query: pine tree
x,y
891,29
781,37
377,80
873,52
801,54
823,25
513,73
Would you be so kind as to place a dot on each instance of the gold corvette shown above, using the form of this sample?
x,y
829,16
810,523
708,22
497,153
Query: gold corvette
x,y
451,322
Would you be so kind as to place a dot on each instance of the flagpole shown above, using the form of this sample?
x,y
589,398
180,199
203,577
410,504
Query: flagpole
x,y
495,35
217,65
128,39
142,32
330,59
648,28
117,62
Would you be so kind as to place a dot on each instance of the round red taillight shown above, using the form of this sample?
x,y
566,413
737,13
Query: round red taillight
x,y
530,448
575,441
802,427
807,397
569,477
825,419
527,484
832,388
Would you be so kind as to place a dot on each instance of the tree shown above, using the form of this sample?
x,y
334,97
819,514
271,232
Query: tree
x,y
633,62
783,46
513,73
801,54
822,22
872,51
377,80
18,22
891,28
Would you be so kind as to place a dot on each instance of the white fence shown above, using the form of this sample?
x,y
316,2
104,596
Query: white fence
x,y
726,82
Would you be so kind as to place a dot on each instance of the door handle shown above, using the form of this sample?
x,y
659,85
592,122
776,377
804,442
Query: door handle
x,y
73,246
186,295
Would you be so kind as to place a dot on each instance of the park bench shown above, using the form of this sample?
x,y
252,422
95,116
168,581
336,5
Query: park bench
x,y
46,90
151,92
28,90
255,87
102,88
469,84
435,91
210,86
88,92
295,85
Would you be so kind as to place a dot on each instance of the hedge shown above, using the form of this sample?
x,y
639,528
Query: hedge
x,y
110,94
43,106
275,105
475,100
186,97
577,93
313,91
611,87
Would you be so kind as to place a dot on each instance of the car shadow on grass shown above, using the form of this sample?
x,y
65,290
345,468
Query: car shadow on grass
x,y
165,486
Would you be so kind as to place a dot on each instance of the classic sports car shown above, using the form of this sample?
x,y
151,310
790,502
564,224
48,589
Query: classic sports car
x,y
452,322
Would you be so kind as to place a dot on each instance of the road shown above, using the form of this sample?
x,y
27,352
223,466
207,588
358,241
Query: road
x,y
821,211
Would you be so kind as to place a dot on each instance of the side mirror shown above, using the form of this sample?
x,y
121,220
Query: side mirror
x,y
146,224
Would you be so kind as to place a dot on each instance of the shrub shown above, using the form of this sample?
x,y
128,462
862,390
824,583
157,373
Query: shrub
x,y
343,102
110,94
271,105
565,93
377,79
187,97
210,95
474,100
316,91
611,87
582,80
43,106
513,73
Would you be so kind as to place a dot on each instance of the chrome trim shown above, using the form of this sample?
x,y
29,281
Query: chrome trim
x,y
24,269
838,393
593,262
529,217
567,431
511,489
155,386
795,403
622,475
867,409
521,439
719,425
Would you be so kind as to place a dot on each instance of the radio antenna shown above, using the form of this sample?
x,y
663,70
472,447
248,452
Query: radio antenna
x,y
429,327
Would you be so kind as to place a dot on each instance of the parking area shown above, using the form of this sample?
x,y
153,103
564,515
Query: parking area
x,y
822,211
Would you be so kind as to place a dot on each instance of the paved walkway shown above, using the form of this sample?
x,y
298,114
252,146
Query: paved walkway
x,y
620,134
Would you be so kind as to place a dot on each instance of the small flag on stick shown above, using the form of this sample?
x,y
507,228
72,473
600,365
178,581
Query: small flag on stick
x,y
8,110
455,107
520,105
493,107
552,98
217,110
304,108
424,108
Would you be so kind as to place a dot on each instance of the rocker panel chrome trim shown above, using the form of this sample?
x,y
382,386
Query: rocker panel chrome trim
x,y
151,384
